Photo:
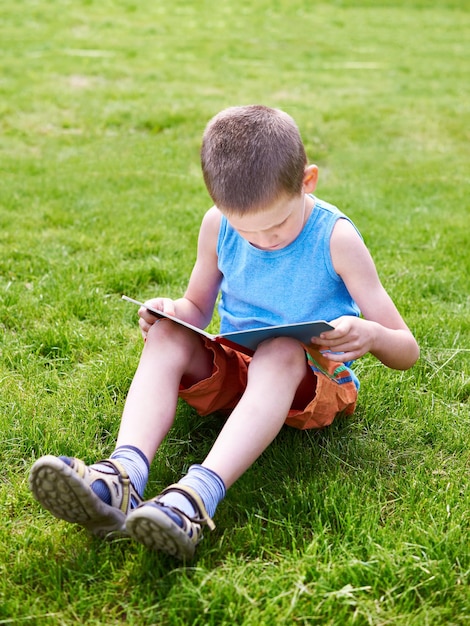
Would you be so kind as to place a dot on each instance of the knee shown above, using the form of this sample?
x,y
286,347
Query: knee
x,y
288,352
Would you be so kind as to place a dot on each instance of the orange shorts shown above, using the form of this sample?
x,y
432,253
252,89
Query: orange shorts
x,y
326,391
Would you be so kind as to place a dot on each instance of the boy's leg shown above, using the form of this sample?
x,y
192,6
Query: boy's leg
x,y
99,497
274,375
171,354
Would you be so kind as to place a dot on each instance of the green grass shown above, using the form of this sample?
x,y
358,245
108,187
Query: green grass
x,y
102,106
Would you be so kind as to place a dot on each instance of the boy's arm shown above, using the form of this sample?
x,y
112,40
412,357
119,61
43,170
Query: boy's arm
x,y
382,331
200,296
197,304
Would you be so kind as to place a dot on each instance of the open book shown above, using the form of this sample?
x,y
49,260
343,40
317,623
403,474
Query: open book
x,y
247,340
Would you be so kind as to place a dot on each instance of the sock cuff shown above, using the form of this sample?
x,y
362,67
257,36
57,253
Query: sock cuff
x,y
202,469
133,449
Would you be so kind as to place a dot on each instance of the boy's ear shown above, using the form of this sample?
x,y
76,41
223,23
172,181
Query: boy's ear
x,y
310,178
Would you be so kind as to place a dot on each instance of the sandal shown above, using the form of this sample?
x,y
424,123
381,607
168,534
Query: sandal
x,y
66,491
151,525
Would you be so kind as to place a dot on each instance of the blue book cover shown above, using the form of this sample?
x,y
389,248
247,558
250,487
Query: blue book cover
x,y
247,340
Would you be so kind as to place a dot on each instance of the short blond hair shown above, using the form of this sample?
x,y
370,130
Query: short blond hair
x,y
250,155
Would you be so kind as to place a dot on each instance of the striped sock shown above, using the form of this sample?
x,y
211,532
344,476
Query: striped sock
x,y
206,483
136,464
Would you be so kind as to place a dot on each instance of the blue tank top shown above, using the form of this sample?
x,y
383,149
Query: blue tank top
x,y
293,284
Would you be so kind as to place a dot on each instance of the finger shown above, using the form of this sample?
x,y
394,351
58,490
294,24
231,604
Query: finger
x,y
144,313
344,356
342,328
337,357
320,341
144,325
332,339
168,306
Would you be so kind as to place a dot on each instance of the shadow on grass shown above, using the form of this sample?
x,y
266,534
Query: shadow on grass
x,y
298,489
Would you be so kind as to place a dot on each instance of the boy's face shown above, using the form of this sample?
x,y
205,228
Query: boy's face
x,y
276,226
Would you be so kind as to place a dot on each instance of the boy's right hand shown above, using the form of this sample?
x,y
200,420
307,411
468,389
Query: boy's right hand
x,y
167,305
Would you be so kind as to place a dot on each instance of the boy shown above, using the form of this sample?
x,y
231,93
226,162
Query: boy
x,y
278,255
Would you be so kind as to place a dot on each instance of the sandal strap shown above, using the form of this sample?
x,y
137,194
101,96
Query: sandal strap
x,y
196,502
125,481
120,497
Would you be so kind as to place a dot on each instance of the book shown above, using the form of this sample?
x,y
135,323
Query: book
x,y
248,340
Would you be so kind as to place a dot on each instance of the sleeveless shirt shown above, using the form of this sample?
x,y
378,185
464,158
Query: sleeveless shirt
x,y
296,283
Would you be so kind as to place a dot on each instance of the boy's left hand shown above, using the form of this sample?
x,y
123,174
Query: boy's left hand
x,y
351,338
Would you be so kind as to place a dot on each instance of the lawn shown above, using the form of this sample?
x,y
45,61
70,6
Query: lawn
x,y
102,108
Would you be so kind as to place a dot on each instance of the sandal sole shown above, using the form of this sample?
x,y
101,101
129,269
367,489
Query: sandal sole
x,y
59,489
155,530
